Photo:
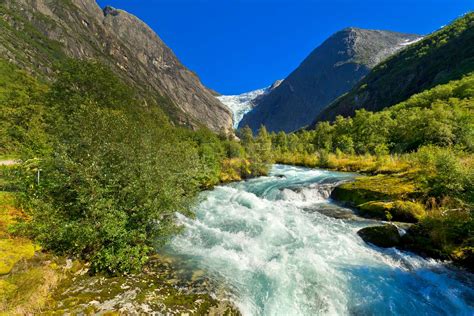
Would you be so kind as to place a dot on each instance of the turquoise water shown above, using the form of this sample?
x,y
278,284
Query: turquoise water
x,y
267,241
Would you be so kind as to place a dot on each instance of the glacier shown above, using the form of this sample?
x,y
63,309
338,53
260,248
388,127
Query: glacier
x,y
242,103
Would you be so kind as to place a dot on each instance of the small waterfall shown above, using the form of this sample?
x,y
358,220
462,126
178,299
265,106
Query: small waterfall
x,y
315,192
256,239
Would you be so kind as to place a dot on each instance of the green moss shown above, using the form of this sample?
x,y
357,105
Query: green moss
x,y
12,251
378,196
407,211
27,290
376,209
383,236
158,288
402,211
443,237
464,256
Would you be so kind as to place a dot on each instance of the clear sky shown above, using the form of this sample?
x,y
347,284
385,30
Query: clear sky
x,y
240,45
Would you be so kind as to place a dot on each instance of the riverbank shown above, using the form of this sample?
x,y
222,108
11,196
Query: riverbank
x,y
34,281
270,241
395,188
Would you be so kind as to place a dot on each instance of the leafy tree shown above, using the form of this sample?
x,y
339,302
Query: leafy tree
x,y
117,175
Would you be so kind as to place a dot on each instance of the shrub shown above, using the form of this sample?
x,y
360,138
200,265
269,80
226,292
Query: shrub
x,y
118,175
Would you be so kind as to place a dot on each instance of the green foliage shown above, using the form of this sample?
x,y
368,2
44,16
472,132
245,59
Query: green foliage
x,y
445,55
258,149
323,158
116,172
117,175
22,112
444,174
445,235
442,116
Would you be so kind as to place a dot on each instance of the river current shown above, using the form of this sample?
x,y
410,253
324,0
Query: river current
x,y
272,244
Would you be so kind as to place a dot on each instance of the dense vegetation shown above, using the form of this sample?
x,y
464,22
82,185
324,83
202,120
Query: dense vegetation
x,y
438,58
102,173
421,149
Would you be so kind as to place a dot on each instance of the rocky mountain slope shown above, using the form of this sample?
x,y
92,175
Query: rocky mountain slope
x,y
329,71
445,55
37,33
242,103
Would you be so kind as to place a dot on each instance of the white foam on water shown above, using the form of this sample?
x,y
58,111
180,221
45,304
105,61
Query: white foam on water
x,y
277,259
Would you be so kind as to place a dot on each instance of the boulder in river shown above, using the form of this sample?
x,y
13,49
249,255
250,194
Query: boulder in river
x,y
385,236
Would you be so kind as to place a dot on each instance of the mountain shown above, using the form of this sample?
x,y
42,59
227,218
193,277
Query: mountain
x,y
329,71
445,55
243,103
35,34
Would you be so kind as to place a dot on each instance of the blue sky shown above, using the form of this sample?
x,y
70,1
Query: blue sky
x,y
241,45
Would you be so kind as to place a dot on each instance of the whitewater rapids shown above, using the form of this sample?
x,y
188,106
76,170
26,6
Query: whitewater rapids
x,y
268,242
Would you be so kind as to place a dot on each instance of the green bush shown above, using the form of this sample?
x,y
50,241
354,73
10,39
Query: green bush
x,y
443,173
116,172
117,175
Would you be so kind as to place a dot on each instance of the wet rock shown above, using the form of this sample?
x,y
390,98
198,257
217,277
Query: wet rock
x,y
403,211
385,236
159,289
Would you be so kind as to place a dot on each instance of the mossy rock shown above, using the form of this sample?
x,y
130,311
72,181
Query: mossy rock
x,y
385,236
464,257
442,238
402,211
375,209
375,188
12,251
26,291
407,211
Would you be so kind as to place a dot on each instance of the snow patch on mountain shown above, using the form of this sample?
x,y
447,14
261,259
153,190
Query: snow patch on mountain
x,y
243,103
408,42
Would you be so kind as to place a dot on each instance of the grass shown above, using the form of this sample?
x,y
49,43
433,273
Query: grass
x,y
26,276
350,163
391,189
9,157
12,249
25,281
28,290
36,282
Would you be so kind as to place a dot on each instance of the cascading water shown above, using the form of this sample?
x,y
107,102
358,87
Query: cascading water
x,y
277,254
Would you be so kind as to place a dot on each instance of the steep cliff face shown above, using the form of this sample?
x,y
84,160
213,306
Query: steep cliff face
x,y
445,55
329,71
37,33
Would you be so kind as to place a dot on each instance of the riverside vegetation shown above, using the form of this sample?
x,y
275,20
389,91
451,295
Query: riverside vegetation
x,y
100,177
102,173
417,157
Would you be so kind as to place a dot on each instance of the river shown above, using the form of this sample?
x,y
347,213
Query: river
x,y
268,241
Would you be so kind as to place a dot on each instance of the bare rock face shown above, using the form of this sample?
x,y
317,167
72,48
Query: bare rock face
x,y
37,33
438,58
329,71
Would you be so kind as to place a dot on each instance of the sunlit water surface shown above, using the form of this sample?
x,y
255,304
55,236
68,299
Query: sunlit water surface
x,y
267,241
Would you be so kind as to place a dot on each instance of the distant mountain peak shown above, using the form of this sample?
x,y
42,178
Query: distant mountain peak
x,y
329,71
80,29
423,63
109,10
